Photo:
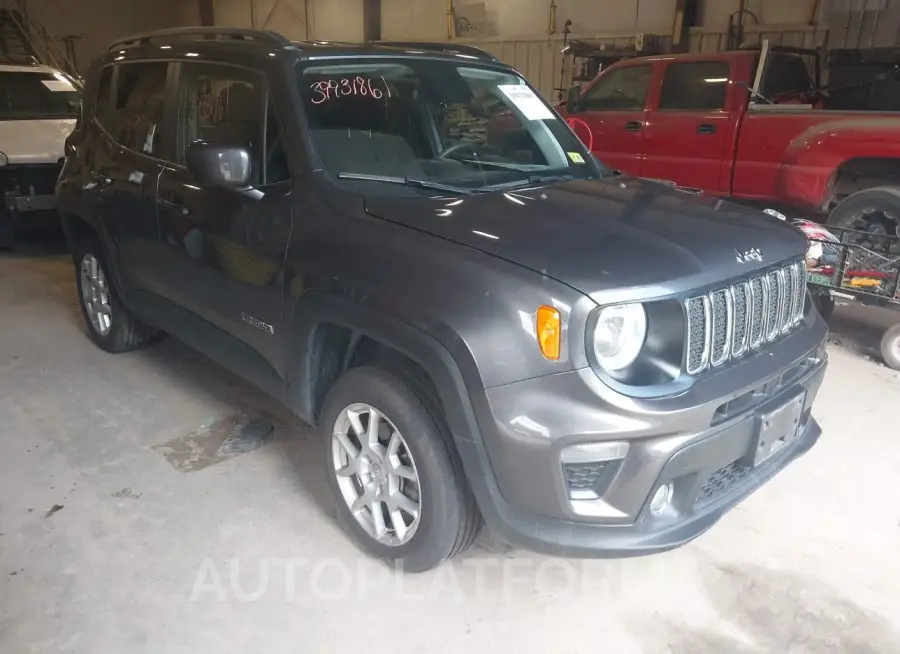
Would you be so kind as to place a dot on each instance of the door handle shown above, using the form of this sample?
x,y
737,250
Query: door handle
x,y
177,204
633,126
103,180
706,128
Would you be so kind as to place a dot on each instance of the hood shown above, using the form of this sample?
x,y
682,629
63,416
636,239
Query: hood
x,y
604,235
35,141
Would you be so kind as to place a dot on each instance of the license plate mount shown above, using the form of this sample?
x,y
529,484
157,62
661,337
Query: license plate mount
x,y
776,429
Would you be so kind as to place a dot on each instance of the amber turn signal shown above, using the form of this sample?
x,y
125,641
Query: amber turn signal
x,y
549,332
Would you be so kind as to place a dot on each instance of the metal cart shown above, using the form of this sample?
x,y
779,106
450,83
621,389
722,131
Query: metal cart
x,y
860,266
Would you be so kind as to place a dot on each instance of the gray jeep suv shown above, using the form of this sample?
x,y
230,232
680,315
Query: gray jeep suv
x,y
409,248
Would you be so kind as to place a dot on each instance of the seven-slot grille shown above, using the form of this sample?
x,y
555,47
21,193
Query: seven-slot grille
x,y
728,322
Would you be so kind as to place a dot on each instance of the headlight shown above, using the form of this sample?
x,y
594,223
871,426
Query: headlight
x,y
619,335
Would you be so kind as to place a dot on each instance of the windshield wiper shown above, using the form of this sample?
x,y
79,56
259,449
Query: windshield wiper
x,y
532,180
405,181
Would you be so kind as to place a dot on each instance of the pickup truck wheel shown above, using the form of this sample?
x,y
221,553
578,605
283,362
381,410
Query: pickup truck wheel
x,y
890,347
110,325
401,494
874,210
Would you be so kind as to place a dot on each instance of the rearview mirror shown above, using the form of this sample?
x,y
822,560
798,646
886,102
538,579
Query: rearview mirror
x,y
573,98
218,166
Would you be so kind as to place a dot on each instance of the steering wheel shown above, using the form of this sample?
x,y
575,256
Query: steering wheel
x,y
456,147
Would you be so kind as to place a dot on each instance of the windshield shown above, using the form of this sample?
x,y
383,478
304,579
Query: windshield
x,y
37,95
446,123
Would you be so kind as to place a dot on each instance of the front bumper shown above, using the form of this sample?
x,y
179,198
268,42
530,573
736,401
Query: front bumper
x,y
27,199
701,443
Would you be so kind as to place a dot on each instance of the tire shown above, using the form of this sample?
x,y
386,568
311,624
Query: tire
x,y
448,519
877,201
825,304
890,347
124,331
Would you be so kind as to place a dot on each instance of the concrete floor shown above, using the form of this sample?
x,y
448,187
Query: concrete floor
x,y
113,541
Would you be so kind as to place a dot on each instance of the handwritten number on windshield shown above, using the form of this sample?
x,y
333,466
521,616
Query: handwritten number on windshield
x,y
329,89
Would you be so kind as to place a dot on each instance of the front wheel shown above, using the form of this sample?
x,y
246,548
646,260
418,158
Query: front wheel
x,y
401,492
890,347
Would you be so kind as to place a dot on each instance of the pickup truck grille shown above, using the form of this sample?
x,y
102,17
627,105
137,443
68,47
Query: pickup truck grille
x,y
729,322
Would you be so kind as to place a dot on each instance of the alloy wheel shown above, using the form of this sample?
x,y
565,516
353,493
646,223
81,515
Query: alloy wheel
x,y
376,474
95,295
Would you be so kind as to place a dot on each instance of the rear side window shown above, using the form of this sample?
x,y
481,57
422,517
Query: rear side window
x,y
697,86
621,89
136,117
29,94
222,105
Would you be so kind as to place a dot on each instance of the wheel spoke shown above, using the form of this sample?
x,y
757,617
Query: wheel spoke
x,y
372,432
405,472
347,444
356,423
406,505
398,524
347,471
378,519
361,502
393,448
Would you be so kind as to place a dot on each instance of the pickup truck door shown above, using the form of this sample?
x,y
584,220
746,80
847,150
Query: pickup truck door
x,y
225,248
612,115
691,130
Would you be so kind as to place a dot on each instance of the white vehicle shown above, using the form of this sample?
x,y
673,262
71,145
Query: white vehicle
x,y
39,107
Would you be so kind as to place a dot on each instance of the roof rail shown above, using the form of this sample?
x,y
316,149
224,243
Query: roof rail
x,y
236,33
457,48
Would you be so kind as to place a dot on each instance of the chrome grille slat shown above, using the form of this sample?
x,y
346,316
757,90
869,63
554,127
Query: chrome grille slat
x,y
741,301
729,322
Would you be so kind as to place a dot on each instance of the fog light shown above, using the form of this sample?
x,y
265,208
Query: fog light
x,y
661,499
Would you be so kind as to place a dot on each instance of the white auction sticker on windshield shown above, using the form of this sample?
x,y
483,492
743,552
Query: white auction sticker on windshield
x,y
526,101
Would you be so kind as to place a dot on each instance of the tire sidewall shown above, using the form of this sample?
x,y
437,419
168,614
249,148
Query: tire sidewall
x,y
889,342
441,502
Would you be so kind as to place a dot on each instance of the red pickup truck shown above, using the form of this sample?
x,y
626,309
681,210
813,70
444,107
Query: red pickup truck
x,y
750,125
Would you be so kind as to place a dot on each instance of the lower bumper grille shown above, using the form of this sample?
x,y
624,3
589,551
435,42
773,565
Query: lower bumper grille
x,y
721,482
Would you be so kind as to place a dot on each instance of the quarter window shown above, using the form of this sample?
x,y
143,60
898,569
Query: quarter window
x,y
698,86
621,89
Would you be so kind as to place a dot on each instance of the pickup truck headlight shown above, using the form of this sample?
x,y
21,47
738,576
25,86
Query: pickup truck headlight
x,y
619,335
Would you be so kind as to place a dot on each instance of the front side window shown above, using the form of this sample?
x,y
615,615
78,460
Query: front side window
x,y
137,114
222,105
450,122
697,86
28,94
621,89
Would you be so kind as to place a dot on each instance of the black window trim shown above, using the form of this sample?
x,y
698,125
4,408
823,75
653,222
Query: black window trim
x,y
662,85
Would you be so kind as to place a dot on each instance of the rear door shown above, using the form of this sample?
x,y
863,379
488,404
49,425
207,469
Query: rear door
x,y
127,163
612,116
689,131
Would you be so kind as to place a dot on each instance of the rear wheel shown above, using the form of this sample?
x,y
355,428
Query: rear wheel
x,y
401,492
110,325
875,211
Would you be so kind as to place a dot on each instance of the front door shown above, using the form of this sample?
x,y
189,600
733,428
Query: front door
x,y
688,132
226,247
612,116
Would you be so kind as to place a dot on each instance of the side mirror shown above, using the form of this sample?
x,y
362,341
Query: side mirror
x,y
218,166
573,97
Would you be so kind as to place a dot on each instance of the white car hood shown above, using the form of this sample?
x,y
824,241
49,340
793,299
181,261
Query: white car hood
x,y
34,141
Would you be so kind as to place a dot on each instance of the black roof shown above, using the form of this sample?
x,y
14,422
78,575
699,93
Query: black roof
x,y
264,41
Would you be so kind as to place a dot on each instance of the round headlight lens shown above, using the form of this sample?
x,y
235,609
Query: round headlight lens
x,y
619,335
